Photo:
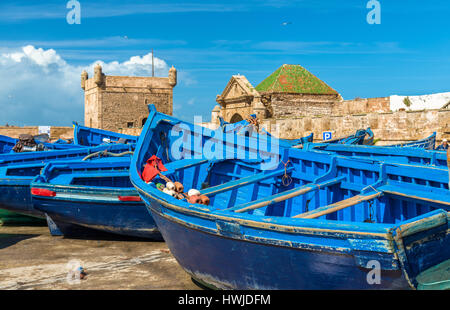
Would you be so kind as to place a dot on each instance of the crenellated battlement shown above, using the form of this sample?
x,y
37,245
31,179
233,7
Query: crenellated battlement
x,y
118,102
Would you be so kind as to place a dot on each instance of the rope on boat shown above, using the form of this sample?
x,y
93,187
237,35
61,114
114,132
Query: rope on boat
x,y
374,188
286,179
106,154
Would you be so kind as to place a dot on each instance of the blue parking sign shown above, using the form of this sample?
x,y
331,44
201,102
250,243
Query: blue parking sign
x,y
327,135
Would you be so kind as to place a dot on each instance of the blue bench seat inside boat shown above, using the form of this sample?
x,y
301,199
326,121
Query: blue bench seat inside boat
x,y
374,193
103,174
214,190
279,197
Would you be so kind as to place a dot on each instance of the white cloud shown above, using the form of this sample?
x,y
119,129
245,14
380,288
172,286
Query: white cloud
x,y
136,65
38,87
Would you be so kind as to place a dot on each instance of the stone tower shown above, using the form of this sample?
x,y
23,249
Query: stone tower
x,y
118,102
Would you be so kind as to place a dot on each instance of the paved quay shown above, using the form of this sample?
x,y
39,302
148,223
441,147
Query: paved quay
x,y
30,258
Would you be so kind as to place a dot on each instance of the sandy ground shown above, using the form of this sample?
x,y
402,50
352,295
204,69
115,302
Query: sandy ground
x,y
32,259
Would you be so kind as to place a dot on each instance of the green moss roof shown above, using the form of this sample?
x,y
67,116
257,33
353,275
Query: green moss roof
x,y
294,79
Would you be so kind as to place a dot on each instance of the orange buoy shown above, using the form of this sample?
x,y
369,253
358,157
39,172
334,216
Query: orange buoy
x,y
204,200
179,188
194,199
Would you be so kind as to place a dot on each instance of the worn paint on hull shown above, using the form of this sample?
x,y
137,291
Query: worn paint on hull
x,y
130,219
17,198
228,263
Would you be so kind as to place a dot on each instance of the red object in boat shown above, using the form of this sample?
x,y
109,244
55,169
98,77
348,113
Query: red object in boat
x,y
153,166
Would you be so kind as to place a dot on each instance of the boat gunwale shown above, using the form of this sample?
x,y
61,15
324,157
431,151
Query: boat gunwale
x,y
268,241
383,231
380,230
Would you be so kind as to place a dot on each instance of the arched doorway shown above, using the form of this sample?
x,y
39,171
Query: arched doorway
x,y
236,118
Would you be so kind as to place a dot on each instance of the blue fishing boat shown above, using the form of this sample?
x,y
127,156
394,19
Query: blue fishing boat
x,y
92,136
297,142
356,138
369,139
18,170
94,194
405,155
313,221
7,144
427,143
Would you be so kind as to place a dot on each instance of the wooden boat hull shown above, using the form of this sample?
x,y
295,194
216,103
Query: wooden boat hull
x,y
15,197
404,155
355,139
217,255
7,144
93,137
338,219
18,170
370,137
97,210
427,143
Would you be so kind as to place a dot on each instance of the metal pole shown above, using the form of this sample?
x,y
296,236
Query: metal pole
x,y
153,64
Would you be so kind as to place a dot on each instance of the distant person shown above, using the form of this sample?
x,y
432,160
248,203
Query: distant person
x,y
443,146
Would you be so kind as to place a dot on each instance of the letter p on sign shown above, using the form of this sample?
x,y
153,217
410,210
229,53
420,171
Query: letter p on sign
x,y
327,135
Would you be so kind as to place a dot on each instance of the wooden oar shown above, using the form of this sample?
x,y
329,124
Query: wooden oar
x,y
448,165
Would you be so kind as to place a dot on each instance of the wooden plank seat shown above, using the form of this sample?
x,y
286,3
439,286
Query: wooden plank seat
x,y
214,190
252,205
426,195
338,205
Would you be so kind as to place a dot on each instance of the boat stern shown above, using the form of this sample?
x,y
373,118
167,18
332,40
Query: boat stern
x,y
421,243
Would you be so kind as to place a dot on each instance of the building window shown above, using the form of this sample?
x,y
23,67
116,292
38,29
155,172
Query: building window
x,y
130,124
143,121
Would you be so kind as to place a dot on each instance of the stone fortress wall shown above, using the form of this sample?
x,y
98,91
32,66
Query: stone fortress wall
x,y
292,103
388,127
120,102
56,132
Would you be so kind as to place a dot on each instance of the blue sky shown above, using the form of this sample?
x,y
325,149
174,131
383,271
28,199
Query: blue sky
x,y
208,41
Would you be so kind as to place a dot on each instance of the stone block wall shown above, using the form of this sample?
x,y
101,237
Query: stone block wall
x,y
295,105
361,105
130,131
117,102
390,128
121,102
55,132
